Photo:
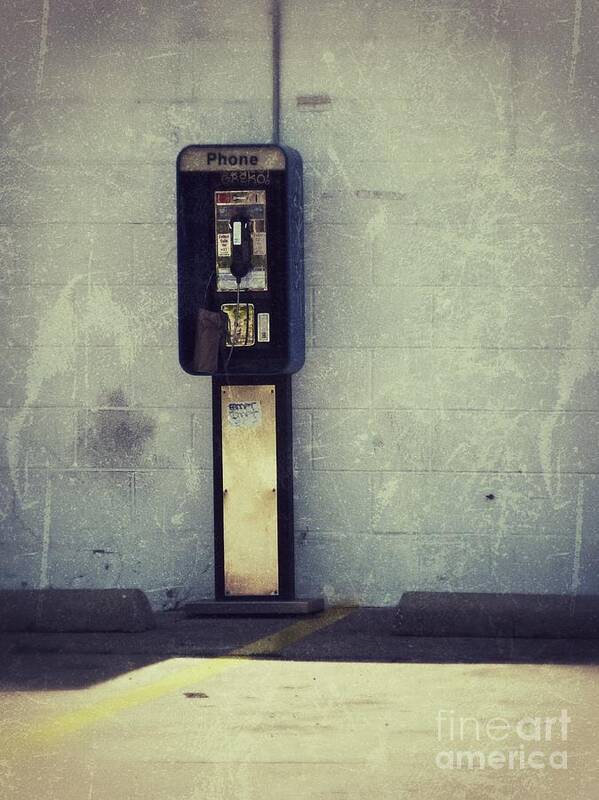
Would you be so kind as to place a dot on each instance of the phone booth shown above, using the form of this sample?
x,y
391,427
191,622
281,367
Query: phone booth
x,y
241,321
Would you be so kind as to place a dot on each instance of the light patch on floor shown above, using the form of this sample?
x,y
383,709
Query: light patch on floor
x,y
268,728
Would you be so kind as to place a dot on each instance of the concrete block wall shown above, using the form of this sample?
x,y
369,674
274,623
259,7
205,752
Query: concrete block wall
x,y
447,418
452,239
106,449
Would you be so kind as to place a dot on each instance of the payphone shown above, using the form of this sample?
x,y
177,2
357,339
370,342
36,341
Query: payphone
x,y
240,255
241,320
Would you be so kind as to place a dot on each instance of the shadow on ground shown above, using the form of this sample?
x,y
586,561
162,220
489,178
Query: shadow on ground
x,y
63,661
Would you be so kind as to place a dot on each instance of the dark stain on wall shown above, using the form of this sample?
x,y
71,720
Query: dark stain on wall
x,y
114,434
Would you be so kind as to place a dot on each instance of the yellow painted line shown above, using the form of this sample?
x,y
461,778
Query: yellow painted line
x,y
50,731
291,634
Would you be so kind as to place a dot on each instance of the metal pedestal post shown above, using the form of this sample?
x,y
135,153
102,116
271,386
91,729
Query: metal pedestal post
x,y
253,501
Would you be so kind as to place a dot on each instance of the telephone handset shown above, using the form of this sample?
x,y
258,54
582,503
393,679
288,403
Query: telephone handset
x,y
241,255
241,264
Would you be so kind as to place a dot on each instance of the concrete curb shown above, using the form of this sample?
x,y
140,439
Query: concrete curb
x,y
546,616
75,610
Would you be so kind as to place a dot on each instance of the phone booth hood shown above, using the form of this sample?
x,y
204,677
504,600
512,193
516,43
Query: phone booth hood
x,y
240,213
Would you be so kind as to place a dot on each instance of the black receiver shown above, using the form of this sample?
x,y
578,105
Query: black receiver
x,y
241,258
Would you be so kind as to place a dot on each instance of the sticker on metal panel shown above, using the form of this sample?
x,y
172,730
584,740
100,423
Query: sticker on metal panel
x,y
224,244
259,242
244,415
264,327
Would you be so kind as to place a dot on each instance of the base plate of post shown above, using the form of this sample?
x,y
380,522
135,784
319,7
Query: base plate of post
x,y
254,608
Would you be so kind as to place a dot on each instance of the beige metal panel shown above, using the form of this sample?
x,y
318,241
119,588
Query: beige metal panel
x,y
249,455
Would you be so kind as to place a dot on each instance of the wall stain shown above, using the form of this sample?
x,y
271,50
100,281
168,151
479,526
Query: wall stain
x,y
115,433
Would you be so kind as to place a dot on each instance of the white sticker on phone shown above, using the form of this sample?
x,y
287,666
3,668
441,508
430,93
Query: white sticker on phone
x,y
259,241
224,244
264,327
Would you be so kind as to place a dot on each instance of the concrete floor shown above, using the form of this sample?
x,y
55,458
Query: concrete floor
x,y
347,711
